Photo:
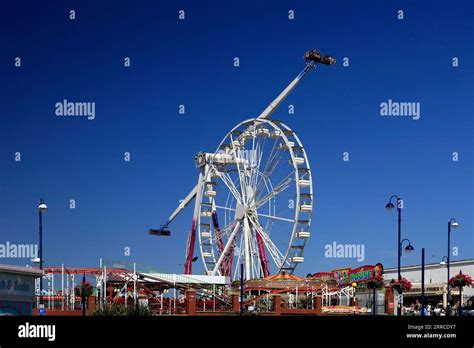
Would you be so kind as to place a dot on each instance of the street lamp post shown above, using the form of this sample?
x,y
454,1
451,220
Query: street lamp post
x,y
390,206
409,248
451,223
460,296
42,207
354,286
422,281
241,289
444,262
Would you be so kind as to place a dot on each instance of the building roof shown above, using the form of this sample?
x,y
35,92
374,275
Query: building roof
x,y
20,269
431,265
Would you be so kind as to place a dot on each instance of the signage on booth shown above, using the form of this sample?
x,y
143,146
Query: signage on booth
x,y
346,276
342,275
16,284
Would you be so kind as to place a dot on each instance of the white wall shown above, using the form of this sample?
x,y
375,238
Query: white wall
x,y
435,273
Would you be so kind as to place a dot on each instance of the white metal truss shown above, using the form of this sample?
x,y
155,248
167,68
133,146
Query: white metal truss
x,y
327,294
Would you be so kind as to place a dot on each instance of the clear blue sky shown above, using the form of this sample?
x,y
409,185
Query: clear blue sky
x,y
191,62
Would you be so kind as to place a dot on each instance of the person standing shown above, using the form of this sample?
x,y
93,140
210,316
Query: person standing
x,y
417,307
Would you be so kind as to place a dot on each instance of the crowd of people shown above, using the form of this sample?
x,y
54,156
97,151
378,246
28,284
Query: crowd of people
x,y
431,309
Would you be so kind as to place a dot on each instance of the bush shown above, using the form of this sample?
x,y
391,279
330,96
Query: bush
x,y
85,289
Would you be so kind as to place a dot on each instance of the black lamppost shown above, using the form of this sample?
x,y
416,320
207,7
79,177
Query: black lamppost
x,y
444,262
422,282
42,207
451,223
390,206
241,289
408,249
460,296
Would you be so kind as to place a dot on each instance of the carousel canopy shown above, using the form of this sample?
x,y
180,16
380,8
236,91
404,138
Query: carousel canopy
x,y
283,277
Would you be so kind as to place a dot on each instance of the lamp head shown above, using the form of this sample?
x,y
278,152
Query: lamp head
x,y
42,207
389,206
454,224
409,249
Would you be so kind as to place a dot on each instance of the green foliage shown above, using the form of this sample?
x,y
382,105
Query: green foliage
x,y
119,309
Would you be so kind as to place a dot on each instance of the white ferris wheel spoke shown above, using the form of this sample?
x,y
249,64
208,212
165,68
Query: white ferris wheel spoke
x,y
227,180
282,186
225,231
275,253
276,218
271,155
268,171
257,153
257,265
226,248
274,158
225,208
237,265
242,178
237,153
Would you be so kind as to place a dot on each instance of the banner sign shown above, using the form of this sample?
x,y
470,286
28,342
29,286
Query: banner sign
x,y
347,276
323,276
17,284
343,310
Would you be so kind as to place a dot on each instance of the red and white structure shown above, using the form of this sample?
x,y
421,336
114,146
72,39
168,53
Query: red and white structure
x,y
253,200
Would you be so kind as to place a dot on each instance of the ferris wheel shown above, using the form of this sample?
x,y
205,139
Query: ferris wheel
x,y
254,197
256,203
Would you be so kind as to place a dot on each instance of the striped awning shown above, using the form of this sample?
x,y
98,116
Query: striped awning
x,y
283,277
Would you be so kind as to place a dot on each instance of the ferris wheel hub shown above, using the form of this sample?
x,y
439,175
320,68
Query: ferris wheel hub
x,y
239,212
